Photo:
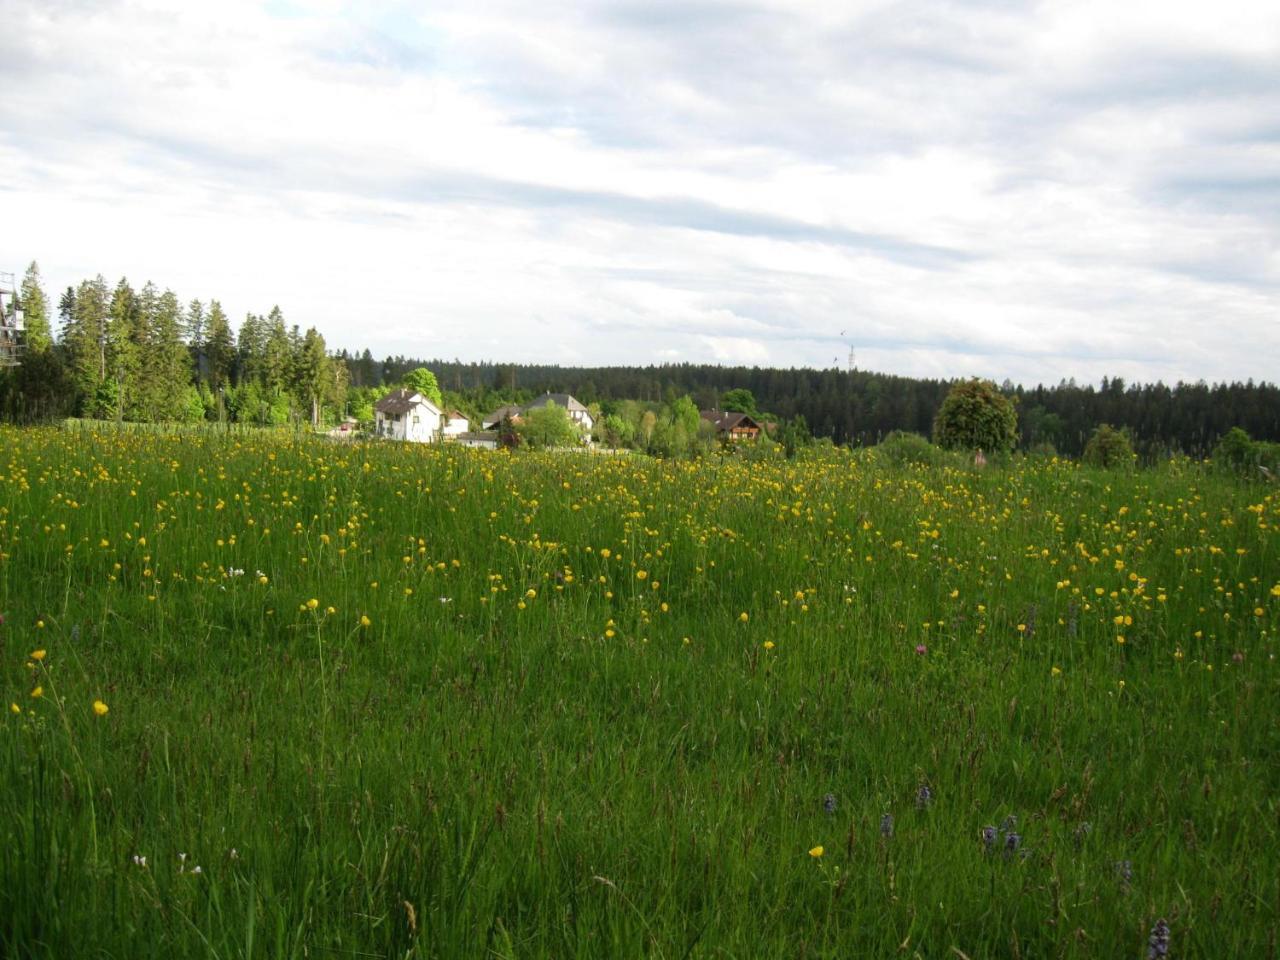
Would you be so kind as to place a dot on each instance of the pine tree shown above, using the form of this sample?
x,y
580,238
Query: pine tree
x,y
127,338
84,337
35,305
314,373
195,331
251,350
166,364
276,355
219,347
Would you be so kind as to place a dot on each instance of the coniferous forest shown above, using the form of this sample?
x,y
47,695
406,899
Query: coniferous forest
x,y
120,352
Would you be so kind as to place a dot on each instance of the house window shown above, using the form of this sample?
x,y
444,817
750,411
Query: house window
x,y
415,421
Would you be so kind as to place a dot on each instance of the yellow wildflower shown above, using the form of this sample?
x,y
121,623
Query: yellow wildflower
x,y
100,708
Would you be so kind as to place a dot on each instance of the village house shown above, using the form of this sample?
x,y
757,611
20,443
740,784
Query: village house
x,y
455,424
577,411
491,421
731,425
407,415
479,439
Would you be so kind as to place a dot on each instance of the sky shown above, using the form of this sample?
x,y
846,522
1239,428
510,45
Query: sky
x,y
947,188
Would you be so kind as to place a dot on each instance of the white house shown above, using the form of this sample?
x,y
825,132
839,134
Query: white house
x,y
455,424
407,415
577,411
480,439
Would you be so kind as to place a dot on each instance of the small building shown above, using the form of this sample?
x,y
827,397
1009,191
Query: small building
x,y
407,415
577,410
479,439
502,413
731,425
455,424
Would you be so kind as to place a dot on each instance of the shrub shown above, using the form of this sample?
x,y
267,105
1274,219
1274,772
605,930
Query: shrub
x,y
1237,453
976,416
1109,448
901,448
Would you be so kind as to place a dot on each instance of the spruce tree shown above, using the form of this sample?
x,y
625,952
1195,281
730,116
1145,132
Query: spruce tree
x,y
251,350
127,341
35,305
84,337
313,373
195,332
219,347
166,364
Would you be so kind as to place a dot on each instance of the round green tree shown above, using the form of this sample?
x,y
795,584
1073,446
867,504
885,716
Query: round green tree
x,y
1109,448
424,382
976,416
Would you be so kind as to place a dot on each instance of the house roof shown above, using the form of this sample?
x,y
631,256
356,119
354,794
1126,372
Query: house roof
x,y
454,415
726,420
560,400
402,401
479,435
511,410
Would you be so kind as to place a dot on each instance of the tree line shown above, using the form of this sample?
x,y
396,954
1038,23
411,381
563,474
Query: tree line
x,y
860,408
121,353
117,352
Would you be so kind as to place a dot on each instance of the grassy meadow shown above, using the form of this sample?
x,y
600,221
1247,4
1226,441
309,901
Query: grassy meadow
x,y
272,696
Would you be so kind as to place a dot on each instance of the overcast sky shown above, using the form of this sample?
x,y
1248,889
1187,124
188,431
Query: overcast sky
x,y
1024,190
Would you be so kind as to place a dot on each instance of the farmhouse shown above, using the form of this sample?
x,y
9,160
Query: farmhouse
x,y
455,424
407,415
577,411
731,425
502,413
479,439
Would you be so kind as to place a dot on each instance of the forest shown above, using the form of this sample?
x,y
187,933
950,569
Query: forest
x,y
120,353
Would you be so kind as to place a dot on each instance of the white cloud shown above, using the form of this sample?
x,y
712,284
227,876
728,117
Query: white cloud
x,y
1024,191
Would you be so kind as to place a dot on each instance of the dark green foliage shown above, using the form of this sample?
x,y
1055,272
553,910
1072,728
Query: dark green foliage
x,y
857,408
1109,448
35,306
976,416
739,400
1238,453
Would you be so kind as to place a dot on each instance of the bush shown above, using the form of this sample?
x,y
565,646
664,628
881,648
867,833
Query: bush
x,y
976,416
1238,453
902,448
1109,448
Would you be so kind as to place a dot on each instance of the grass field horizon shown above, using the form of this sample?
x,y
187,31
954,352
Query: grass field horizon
x,y
273,696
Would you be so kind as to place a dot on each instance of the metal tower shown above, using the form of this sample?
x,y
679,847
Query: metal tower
x,y
12,326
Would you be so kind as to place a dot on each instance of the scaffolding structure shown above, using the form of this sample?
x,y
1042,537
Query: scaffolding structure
x,y
12,325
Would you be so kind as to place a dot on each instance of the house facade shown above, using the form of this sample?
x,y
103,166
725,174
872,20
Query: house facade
x,y
491,421
407,415
455,424
578,412
479,439
731,425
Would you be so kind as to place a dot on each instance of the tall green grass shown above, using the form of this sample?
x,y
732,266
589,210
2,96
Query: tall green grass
x,y
532,750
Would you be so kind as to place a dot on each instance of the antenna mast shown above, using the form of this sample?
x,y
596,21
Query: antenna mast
x,y
12,324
